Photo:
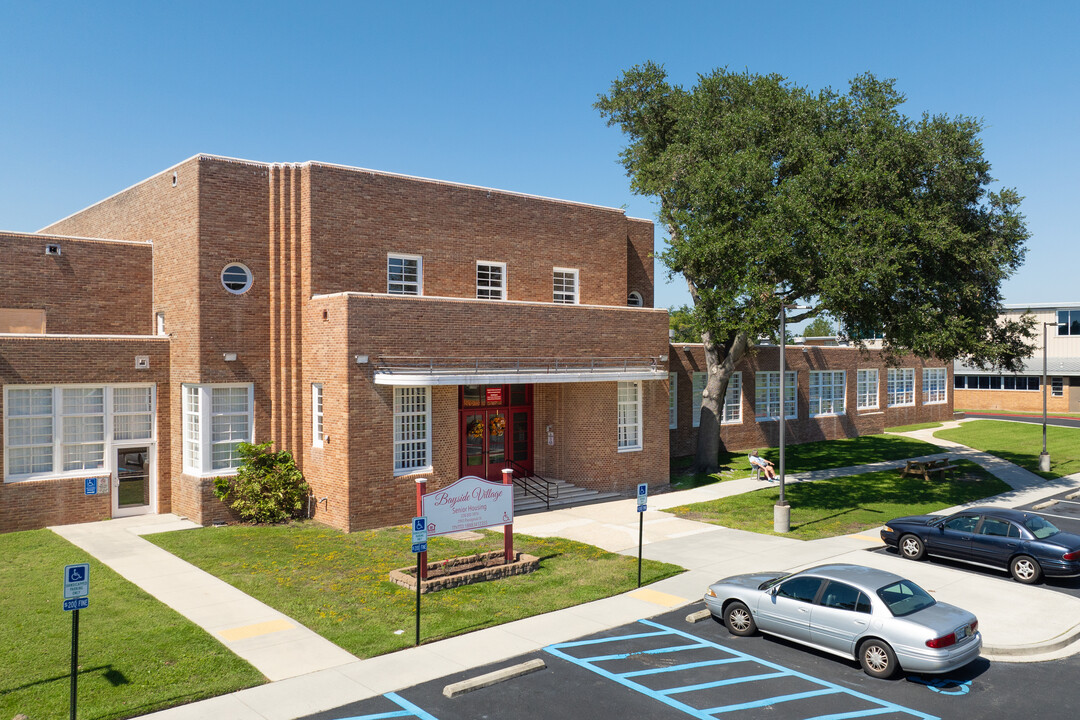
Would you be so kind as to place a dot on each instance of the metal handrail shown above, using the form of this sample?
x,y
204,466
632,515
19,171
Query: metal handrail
x,y
544,493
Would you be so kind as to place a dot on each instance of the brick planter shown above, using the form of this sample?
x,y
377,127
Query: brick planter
x,y
466,570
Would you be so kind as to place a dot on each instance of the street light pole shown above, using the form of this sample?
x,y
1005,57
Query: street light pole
x,y
1044,456
782,511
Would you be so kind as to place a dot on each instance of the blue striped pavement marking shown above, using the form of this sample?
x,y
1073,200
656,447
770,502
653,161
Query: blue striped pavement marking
x,y
729,656
408,710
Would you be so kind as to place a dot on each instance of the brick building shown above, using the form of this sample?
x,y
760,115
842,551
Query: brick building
x,y
977,389
382,328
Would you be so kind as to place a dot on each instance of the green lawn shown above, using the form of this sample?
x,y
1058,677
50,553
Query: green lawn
x,y
1021,443
337,584
826,508
135,654
808,456
1019,412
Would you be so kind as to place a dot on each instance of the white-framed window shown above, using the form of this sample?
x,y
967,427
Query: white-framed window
x,y
236,278
159,322
733,400
66,430
316,415
1057,387
934,383
634,299
827,392
866,389
629,416
900,387
673,401
696,388
228,411
565,286
404,274
412,434
767,395
490,280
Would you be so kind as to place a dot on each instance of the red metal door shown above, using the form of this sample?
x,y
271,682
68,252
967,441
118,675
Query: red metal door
x,y
484,447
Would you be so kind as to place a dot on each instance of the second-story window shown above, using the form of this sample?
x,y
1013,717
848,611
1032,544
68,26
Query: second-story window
x,y
404,275
491,280
566,286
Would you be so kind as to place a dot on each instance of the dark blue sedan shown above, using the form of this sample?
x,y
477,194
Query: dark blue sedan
x,y
1028,545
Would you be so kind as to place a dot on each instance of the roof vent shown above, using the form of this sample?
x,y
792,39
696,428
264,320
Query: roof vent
x,y
52,249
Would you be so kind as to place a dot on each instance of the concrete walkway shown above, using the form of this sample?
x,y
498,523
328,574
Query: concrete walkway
x,y
1018,622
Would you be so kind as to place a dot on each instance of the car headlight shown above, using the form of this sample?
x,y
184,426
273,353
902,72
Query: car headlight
x,y
710,592
886,529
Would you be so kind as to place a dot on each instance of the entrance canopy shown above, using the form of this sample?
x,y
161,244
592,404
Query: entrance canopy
x,y
400,370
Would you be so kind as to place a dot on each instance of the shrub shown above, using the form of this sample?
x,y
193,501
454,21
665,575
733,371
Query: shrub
x,y
267,487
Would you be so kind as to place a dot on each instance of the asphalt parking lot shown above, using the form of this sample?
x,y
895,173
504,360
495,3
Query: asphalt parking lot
x,y
668,669
1061,511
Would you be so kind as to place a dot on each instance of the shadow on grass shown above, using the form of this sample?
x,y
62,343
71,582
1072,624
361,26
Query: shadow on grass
x,y
826,518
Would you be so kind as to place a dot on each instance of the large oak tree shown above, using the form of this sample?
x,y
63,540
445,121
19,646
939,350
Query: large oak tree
x,y
771,193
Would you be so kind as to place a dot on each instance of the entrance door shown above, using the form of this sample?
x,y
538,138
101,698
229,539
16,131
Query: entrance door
x,y
133,490
496,428
485,443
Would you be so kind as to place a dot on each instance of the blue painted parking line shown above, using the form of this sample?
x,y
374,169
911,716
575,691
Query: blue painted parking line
x,y
728,656
408,710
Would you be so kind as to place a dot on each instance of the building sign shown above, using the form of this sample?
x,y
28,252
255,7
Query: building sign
x,y
493,395
469,504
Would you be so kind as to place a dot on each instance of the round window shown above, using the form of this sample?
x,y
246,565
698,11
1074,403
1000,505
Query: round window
x,y
634,299
236,278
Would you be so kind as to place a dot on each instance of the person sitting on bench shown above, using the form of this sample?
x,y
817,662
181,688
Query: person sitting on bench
x,y
763,465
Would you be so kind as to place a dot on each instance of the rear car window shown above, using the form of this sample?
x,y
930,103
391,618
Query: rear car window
x,y
904,597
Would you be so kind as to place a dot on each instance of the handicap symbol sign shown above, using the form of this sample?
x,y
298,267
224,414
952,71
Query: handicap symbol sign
x,y
90,486
419,534
76,580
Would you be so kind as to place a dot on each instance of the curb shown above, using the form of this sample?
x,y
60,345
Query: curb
x,y
491,678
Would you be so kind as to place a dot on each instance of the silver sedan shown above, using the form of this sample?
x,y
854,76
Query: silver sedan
x,y
885,622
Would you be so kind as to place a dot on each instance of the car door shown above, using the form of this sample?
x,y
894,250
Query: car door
x,y
995,541
953,537
840,616
786,609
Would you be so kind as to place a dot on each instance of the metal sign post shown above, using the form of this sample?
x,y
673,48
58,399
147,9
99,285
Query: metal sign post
x,y
76,592
419,546
642,506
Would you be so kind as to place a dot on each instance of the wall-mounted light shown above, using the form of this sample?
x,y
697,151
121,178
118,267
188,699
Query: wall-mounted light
x,y
361,359
142,362
230,357
663,358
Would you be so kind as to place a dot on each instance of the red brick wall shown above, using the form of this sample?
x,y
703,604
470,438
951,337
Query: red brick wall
x,y
639,261
93,287
31,504
750,434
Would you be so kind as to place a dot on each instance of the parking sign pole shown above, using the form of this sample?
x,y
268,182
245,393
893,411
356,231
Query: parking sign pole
x,y
642,504
74,658
419,561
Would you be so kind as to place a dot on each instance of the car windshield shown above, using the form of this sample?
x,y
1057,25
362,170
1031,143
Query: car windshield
x,y
1040,528
904,597
769,583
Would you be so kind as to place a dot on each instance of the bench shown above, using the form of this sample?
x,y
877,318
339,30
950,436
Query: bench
x,y
926,468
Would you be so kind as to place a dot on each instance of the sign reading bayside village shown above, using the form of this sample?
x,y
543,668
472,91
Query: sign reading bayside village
x,y
469,504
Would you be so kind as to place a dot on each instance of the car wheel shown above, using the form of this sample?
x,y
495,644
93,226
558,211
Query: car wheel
x,y
912,547
878,659
1025,569
738,620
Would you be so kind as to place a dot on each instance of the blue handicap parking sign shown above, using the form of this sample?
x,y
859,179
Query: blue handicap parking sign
x,y
90,486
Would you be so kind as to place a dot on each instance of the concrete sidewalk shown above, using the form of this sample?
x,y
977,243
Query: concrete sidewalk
x,y
316,675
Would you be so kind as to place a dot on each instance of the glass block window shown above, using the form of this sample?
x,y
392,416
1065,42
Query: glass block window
x,y
491,281
934,385
192,429
901,387
827,392
767,395
28,435
133,413
230,425
733,400
673,401
316,415
82,428
404,274
629,416
566,286
698,386
412,436
866,389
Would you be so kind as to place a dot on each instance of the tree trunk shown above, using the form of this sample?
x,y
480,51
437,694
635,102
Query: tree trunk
x,y
720,361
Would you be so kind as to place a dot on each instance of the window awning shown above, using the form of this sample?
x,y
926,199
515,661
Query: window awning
x,y
497,371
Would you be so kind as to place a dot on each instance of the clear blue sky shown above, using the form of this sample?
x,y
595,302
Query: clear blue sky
x,y
97,96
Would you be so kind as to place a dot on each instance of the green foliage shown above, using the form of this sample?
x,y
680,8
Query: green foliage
x,y
681,320
267,487
819,327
